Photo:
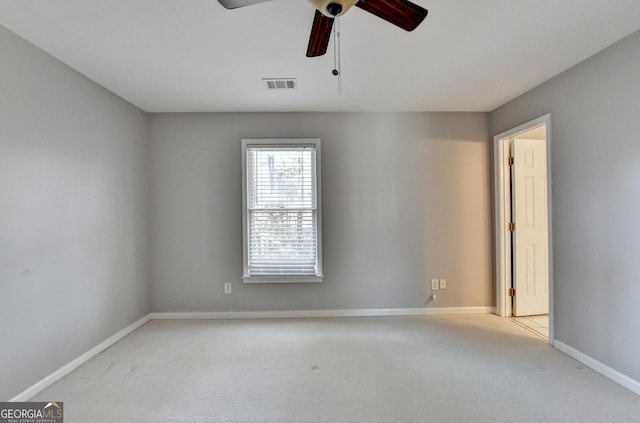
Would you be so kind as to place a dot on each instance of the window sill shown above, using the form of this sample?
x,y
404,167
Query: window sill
x,y
282,279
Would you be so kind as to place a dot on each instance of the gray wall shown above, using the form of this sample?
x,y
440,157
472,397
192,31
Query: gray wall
x,y
595,150
406,198
73,214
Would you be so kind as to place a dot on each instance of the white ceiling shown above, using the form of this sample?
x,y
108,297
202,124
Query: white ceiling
x,y
194,55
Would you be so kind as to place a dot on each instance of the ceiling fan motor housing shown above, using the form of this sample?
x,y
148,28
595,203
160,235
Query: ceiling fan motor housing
x,y
333,8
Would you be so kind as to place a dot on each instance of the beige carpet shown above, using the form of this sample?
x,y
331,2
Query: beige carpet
x,y
464,368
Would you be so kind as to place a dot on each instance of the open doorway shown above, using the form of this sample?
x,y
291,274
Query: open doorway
x,y
523,225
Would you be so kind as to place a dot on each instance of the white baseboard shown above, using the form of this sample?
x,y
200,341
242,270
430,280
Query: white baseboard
x,y
30,392
619,378
297,314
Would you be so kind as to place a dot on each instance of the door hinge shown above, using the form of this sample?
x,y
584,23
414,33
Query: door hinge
x,y
511,226
511,161
512,292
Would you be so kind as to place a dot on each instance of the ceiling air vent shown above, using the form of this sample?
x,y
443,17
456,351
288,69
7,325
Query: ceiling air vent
x,y
280,83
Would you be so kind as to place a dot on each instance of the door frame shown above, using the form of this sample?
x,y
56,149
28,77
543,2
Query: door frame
x,y
502,214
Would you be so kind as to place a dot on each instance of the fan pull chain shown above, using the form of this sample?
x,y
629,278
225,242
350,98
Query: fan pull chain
x,y
337,67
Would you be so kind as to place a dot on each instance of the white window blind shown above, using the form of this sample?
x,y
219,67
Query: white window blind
x,y
282,225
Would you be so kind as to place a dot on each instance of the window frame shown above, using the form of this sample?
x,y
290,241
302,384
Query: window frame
x,y
275,143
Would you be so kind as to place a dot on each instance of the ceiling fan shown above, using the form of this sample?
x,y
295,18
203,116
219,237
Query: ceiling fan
x,y
401,13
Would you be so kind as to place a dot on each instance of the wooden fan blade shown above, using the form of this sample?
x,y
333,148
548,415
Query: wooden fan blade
x,y
320,34
401,13
234,4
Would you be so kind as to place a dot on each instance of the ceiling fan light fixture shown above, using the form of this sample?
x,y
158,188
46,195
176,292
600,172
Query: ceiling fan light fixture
x,y
333,8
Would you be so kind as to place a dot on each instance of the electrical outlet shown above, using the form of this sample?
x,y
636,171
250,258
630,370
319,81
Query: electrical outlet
x,y
443,284
435,285
227,288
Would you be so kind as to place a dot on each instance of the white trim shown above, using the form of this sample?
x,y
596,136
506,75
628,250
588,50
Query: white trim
x,y
282,142
34,389
282,279
619,378
503,240
298,314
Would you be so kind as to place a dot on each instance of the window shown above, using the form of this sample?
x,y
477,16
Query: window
x,y
281,210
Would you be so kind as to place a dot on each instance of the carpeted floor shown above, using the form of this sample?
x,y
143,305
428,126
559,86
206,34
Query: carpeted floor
x,y
457,368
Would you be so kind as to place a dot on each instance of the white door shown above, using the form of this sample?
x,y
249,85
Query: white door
x,y
529,202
